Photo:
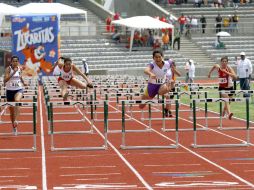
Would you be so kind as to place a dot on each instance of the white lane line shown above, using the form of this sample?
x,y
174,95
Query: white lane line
x,y
241,163
106,174
184,177
7,176
85,167
183,172
20,187
96,186
92,179
224,150
44,171
198,155
2,112
15,168
80,156
141,179
9,180
172,165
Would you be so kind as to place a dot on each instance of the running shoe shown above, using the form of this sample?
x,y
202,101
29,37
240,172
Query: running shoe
x,y
15,128
230,116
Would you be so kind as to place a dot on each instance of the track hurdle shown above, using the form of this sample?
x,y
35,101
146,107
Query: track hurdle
x,y
56,96
246,143
172,101
190,94
32,88
130,117
25,97
128,102
23,104
62,104
82,103
206,117
236,92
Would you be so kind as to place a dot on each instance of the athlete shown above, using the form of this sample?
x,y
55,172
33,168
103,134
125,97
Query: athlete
x,y
156,71
66,77
226,75
171,78
14,89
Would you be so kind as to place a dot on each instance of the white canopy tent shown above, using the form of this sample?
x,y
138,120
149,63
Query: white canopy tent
x,y
143,22
49,8
6,9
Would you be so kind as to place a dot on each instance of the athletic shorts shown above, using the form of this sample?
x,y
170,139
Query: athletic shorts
x,y
227,89
152,90
68,82
10,94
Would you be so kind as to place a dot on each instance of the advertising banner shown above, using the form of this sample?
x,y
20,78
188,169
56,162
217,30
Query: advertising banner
x,y
35,42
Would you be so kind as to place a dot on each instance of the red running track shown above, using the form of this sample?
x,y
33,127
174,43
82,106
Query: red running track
x,y
181,168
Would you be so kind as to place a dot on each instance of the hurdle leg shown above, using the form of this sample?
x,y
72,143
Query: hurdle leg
x,y
34,125
220,127
177,121
150,116
51,126
92,119
123,125
247,121
194,124
163,118
105,125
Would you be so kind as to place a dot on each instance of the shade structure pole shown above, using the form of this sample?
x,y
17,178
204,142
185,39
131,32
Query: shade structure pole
x,y
131,39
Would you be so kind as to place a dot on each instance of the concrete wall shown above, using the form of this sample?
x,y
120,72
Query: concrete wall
x,y
144,7
96,8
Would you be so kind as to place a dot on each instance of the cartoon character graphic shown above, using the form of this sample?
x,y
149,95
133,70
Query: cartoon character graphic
x,y
35,41
35,60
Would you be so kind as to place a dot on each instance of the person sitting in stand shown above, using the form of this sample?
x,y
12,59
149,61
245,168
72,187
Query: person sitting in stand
x,y
156,44
218,44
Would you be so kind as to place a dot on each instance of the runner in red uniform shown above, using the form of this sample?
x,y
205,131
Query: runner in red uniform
x,y
226,75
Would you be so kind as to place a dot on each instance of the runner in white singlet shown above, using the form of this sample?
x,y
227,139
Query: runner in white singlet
x,y
157,84
14,89
66,77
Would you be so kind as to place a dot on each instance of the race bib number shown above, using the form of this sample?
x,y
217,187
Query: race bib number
x,y
15,84
160,81
223,80
66,77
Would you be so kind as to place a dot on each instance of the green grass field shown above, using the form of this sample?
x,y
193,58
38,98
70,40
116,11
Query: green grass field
x,y
238,108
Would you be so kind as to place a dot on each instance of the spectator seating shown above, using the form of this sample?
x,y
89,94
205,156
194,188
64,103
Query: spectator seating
x,y
234,45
